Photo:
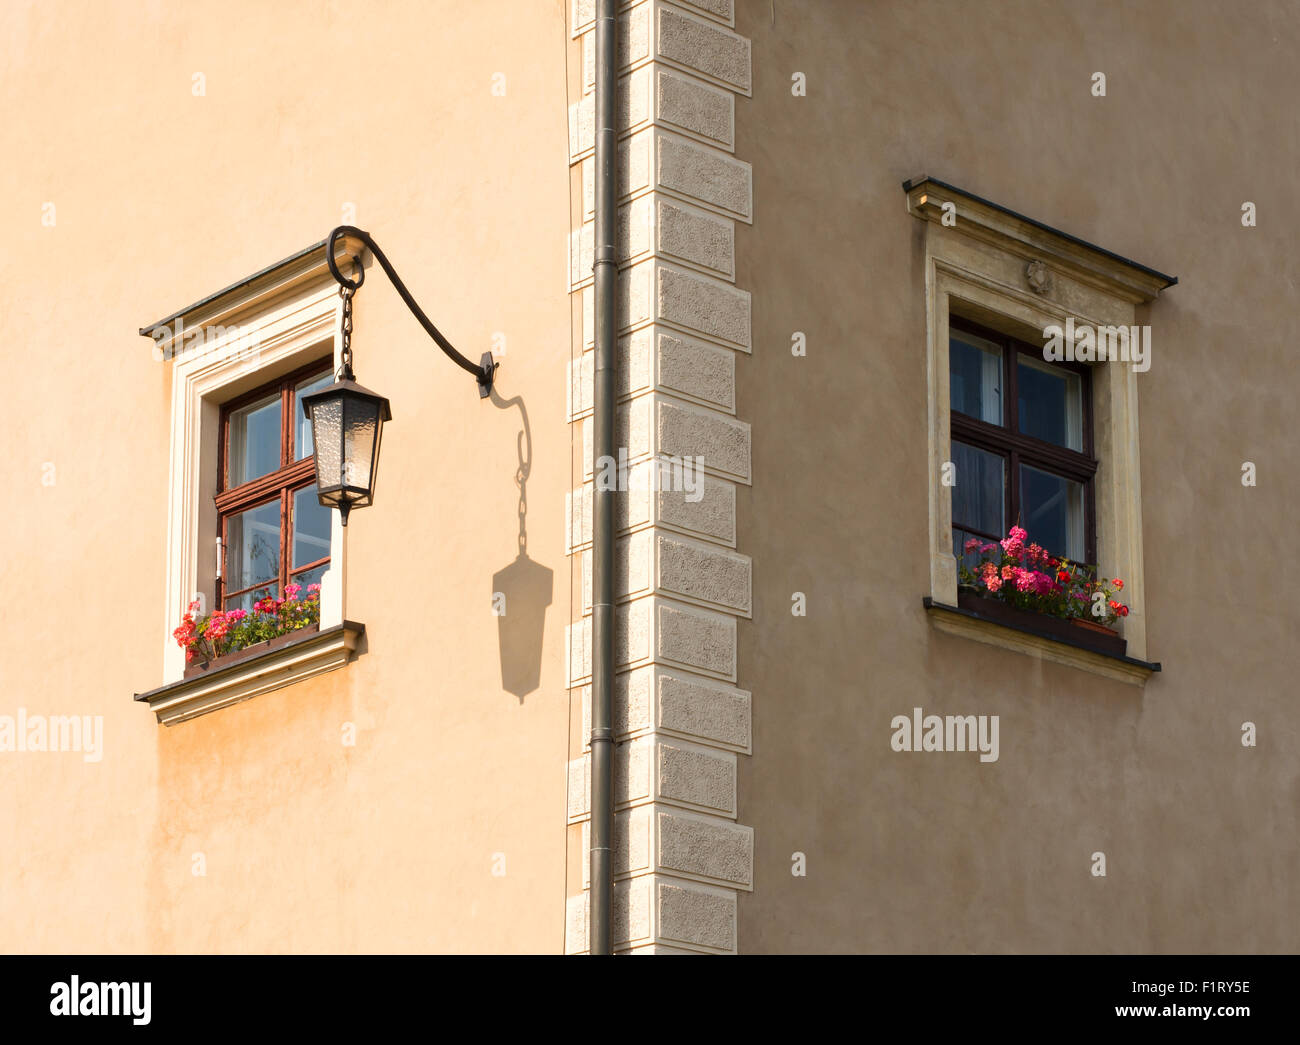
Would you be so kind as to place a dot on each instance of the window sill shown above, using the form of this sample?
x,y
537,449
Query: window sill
x,y
1037,640
253,674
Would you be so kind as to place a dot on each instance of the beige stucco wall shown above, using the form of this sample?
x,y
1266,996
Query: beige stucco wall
x,y
938,852
161,198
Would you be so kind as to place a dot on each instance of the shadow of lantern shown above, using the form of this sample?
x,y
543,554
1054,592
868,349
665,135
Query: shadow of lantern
x,y
521,591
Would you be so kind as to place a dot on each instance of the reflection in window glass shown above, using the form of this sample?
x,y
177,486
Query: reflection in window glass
x,y
309,577
1049,402
975,377
1051,508
302,424
253,547
254,441
311,527
979,496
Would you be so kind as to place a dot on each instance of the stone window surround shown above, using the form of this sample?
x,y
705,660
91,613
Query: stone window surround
x,y
979,268
290,314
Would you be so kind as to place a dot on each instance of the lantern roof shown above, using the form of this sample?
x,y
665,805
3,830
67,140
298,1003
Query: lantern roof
x,y
348,386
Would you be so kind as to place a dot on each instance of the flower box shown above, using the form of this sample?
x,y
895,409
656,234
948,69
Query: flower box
x,y
257,649
1075,631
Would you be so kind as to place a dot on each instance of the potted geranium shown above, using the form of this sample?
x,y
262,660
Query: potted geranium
x,y
225,636
1017,581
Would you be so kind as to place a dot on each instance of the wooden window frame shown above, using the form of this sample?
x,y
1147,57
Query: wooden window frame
x,y
1007,441
279,485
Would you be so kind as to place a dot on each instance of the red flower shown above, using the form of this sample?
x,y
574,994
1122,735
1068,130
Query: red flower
x,y
186,633
1062,576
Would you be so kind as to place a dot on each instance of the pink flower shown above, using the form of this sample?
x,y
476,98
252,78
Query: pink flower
x,y
291,590
989,575
971,544
986,548
1013,544
1008,572
235,616
218,626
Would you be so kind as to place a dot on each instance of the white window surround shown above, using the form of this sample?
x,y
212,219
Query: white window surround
x,y
281,319
979,267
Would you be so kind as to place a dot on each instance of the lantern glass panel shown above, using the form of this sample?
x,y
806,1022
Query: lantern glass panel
x,y
327,422
359,442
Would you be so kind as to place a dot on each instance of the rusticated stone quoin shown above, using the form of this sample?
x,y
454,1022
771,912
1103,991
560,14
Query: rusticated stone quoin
x,y
681,584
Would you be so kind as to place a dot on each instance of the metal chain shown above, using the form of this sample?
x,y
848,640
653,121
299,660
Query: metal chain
x,y
346,292
521,477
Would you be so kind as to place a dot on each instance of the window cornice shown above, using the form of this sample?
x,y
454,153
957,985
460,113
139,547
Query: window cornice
x,y
254,292
1033,241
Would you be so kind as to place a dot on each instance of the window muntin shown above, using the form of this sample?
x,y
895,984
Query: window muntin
x,y
1043,445
273,531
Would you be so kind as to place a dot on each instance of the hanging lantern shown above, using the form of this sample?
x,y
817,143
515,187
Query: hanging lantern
x,y
347,424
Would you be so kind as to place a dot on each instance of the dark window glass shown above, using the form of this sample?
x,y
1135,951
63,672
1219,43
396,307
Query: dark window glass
x,y
1049,403
975,378
1031,466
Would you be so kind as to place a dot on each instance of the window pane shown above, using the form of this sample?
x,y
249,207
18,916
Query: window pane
x,y
301,423
245,601
975,377
979,496
254,440
1049,402
1052,511
309,577
253,548
311,527
959,539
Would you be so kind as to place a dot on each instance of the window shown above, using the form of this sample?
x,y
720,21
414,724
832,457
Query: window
x,y
1022,444
273,530
1031,434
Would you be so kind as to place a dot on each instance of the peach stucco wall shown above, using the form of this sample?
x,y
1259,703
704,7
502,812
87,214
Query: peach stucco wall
x,y
161,197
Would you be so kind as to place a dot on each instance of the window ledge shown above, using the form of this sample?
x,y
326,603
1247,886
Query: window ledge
x,y
301,658
1025,638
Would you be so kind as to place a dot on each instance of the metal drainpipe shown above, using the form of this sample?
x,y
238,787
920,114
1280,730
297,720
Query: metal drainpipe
x,y
605,270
